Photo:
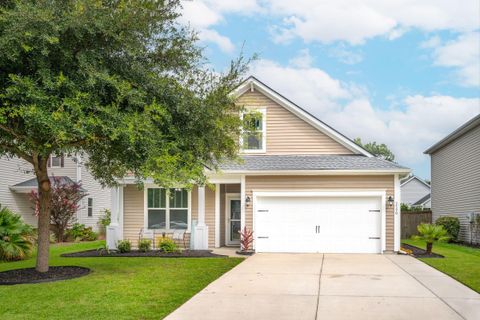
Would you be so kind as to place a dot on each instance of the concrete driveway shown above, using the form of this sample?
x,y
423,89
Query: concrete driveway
x,y
332,286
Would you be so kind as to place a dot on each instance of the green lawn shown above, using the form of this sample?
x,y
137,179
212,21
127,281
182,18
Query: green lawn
x,y
117,288
460,262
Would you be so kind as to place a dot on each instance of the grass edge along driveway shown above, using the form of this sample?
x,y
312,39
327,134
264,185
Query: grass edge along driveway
x,y
117,288
461,262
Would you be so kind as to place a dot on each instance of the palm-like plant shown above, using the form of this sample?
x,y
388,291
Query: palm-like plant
x,y
16,237
431,233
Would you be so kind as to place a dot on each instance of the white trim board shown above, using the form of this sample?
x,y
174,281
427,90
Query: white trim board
x,y
252,83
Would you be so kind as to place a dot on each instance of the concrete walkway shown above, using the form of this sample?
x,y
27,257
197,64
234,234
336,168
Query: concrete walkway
x,y
332,286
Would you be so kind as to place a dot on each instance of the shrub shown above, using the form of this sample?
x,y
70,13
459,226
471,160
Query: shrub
x,y
16,237
105,220
103,249
79,232
124,246
246,239
144,245
431,233
451,224
167,245
63,206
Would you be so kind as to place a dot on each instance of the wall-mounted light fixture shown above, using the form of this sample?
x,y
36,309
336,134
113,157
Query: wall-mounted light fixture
x,y
247,201
390,201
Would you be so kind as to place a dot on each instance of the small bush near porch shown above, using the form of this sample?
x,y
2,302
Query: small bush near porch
x,y
117,288
460,262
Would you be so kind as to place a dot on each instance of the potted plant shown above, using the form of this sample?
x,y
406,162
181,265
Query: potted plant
x,y
246,240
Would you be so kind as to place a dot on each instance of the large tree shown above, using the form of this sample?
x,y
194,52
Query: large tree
x,y
378,150
120,82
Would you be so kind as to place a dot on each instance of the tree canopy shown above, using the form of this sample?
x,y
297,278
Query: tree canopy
x,y
378,150
121,82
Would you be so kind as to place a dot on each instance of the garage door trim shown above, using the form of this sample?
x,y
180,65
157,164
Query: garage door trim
x,y
337,193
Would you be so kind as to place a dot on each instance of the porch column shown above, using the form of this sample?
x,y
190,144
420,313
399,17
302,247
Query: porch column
x,y
397,213
200,241
112,228
217,215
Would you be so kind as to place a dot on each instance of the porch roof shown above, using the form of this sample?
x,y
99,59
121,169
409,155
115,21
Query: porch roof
x,y
31,184
310,162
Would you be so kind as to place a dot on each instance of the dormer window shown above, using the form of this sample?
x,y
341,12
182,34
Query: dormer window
x,y
253,137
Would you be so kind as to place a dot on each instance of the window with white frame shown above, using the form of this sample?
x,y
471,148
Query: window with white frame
x,y
254,131
167,209
56,161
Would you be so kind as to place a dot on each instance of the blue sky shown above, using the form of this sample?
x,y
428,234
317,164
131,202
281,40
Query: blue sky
x,y
404,72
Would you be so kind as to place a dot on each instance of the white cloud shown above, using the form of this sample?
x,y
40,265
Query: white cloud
x,y
432,42
313,86
347,56
203,15
355,21
462,54
222,42
415,123
302,60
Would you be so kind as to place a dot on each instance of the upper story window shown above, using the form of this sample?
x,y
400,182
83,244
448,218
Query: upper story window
x,y
253,137
167,209
56,161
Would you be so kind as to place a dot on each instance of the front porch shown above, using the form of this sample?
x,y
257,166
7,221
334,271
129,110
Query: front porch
x,y
211,216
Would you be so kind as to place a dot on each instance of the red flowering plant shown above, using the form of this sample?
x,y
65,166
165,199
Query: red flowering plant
x,y
246,239
64,203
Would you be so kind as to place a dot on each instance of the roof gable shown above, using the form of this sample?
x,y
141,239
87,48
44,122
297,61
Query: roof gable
x,y
414,179
253,84
459,132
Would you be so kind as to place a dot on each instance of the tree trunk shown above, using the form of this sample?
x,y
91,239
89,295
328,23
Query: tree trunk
x,y
44,195
429,247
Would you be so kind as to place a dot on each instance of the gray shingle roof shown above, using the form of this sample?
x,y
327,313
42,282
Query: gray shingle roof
x,y
309,162
32,183
422,200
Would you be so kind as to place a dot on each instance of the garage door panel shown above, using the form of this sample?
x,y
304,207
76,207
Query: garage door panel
x,y
289,224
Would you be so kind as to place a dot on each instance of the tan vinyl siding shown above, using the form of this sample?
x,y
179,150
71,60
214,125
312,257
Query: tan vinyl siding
x,y
456,180
292,183
210,215
288,134
133,213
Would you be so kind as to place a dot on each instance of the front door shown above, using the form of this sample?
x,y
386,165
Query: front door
x,y
233,216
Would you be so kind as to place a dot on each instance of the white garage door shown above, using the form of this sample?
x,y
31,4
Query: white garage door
x,y
318,224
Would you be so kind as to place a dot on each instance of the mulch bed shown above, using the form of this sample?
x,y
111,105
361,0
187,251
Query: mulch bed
x,y
30,275
152,253
420,253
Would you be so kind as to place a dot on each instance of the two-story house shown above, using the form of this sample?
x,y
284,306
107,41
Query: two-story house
x,y
302,187
415,192
455,165
18,180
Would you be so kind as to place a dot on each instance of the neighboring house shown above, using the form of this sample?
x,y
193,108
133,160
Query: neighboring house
x,y
302,187
18,181
455,162
415,192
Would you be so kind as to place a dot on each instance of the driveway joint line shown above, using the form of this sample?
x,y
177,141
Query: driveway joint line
x,y
319,286
434,293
